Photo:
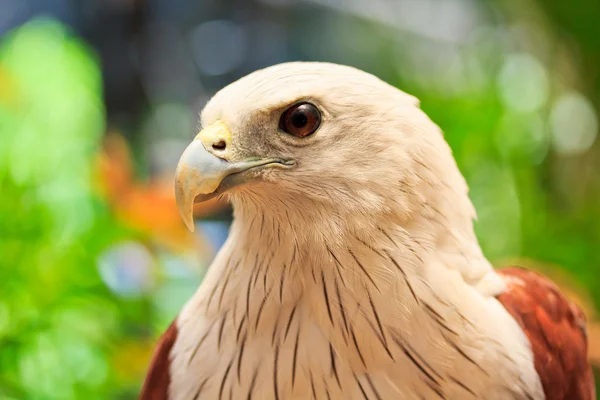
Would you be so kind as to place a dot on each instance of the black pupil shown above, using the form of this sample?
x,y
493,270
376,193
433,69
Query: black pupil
x,y
299,118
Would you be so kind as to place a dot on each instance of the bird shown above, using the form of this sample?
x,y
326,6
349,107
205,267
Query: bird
x,y
352,269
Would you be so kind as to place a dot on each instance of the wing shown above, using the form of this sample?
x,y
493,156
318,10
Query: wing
x,y
157,381
556,329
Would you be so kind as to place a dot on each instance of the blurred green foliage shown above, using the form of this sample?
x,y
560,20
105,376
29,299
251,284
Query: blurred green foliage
x,y
59,324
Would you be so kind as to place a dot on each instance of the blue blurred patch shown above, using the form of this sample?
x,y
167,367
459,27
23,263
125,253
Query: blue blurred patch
x,y
216,232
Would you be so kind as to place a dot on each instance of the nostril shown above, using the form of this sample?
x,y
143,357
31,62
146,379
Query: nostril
x,y
220,145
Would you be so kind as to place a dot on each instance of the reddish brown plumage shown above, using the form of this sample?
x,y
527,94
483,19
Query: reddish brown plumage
x,y
555,328
158,378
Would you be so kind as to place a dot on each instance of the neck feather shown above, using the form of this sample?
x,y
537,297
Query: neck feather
x,y
362,302
341,271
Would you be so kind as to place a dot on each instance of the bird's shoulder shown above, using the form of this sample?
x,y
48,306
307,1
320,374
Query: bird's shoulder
x,y
158,378
556,329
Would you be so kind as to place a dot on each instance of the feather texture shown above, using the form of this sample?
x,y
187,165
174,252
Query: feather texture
x,y
158,378
556,330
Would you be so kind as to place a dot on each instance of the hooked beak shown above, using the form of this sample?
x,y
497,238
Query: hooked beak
x,y
204,170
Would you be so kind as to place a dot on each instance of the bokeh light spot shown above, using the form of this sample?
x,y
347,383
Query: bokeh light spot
x,y
574,124
126,269
218,46
523,83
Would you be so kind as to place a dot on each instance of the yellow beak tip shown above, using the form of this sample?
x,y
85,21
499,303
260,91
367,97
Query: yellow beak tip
x,y
189,223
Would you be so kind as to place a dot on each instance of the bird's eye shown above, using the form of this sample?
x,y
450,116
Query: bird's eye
x,y
300,120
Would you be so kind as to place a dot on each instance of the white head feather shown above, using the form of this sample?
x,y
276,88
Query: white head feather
x,y
375,156
368,241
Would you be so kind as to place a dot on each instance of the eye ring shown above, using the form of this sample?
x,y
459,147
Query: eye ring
x,y
300,120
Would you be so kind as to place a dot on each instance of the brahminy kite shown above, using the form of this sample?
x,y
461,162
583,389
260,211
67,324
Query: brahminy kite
x,y
352,270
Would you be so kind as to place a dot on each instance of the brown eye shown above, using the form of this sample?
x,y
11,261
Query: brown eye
x,y
300,120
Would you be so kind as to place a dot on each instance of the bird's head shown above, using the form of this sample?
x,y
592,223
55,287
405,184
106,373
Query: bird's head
x,y
319,139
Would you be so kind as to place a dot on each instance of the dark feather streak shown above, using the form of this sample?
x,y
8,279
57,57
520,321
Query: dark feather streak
x,y
252,384
275,366
312,387
275,331
239,330
362,390
261,308
295,358
200,389
248,298
326,298
225,283
383,338
262,224
240,358
256,269
412,291
417,361
287,329
221,329
342,311
211,295
294,254
466,356
225,379
198,345
462,385
357,348
367,245
334,371
337,264
377,396
441,321
435,388
362,268
281,283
